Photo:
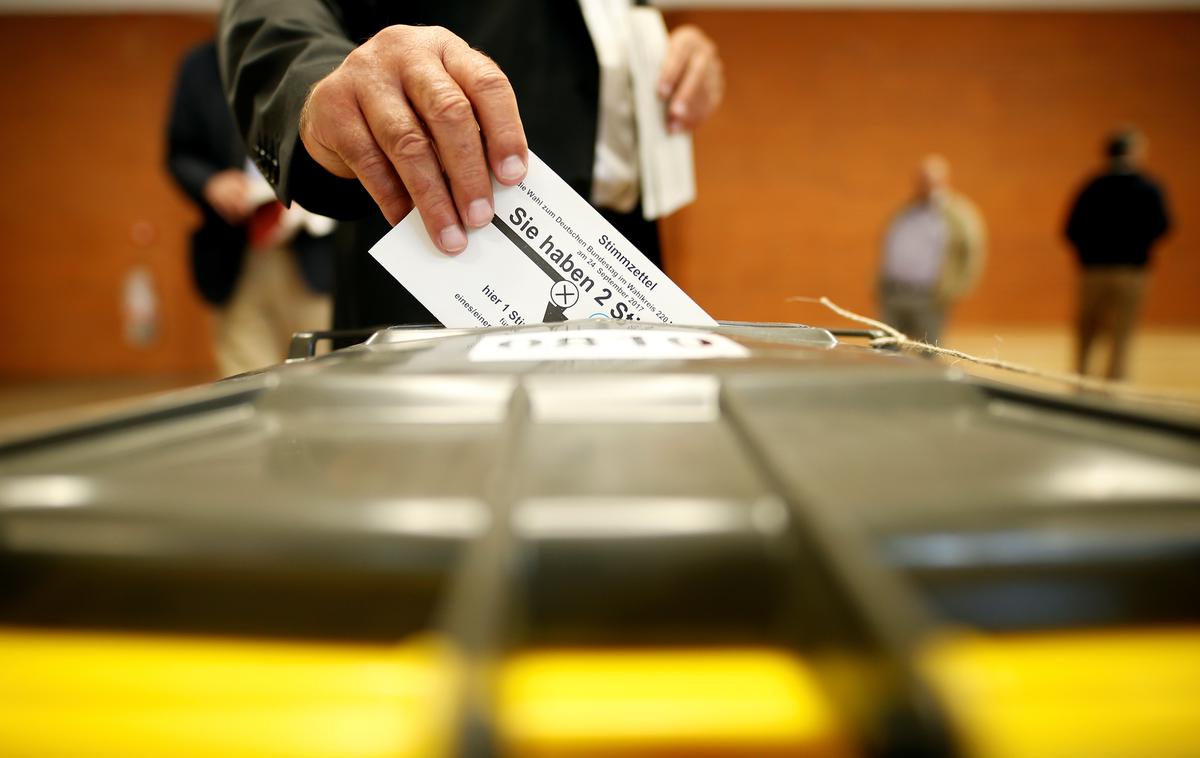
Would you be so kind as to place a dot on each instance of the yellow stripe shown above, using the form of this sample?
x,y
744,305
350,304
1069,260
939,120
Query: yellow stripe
x,y
1095,694
104,695
663,702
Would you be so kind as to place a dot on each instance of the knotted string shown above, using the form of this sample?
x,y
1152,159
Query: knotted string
x,y
893,337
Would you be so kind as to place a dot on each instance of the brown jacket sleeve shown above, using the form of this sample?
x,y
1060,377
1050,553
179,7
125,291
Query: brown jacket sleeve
x,y
272,52
966,250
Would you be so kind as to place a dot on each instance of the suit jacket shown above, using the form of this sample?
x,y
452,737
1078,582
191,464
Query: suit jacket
x,y
274,51
201,141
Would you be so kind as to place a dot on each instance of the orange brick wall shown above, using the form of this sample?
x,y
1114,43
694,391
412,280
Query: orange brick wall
x,y
826,114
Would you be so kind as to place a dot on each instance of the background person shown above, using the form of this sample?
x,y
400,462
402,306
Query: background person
x,y
265,270
441,95
1113,225
933,254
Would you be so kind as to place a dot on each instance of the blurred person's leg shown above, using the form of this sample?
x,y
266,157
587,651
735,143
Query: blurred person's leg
x,y
1092,289
245,329
295,307
895,309
1128,287
931,318
916,312
288,303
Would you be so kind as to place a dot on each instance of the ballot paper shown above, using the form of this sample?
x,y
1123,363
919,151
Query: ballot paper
x,y
666,165
547,256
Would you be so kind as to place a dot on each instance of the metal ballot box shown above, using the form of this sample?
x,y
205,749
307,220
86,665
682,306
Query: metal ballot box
x,y
602,539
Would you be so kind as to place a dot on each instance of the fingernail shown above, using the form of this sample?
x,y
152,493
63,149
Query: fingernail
x,y
453,239
678,109
479,213
512,168
664,89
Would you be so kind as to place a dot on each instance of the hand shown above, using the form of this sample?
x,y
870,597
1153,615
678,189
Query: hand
x,y
228,192
691,81
409,104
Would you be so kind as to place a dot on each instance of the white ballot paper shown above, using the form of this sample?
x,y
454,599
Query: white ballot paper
x,y
547,256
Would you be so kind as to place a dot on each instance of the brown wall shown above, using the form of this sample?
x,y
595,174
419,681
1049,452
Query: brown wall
x,y
826,115
81,122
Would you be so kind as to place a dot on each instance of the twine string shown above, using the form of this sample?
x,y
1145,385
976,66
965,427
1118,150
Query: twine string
x,y
893,337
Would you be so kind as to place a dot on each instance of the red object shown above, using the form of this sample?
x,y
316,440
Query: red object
x,y
264,224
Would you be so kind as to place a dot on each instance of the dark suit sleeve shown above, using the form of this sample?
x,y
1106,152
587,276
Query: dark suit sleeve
x,y
189,151
272,52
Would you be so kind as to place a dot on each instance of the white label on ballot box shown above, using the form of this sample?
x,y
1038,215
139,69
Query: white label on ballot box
x,y
605,344
547,256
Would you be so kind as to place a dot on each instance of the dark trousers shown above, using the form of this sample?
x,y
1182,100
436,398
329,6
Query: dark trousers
x,y
916,311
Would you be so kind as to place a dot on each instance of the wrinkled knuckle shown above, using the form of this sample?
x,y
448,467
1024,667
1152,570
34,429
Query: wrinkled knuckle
x,y
408,145
449,108
488,79
388,195
437,38
420,186
367,162
441,210
470,174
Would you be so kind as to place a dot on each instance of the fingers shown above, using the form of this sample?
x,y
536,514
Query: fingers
x,y
227,196
335,133
364,158
239,196
691,79
679,50
408,147
450,121
420,118
495,106
686,102
226,212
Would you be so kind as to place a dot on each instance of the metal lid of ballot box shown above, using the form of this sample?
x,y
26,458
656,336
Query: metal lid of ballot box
x,y
819,496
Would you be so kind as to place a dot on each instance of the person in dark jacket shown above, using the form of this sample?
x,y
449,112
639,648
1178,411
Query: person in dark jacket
x,y
266,271
1113,226
362,110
